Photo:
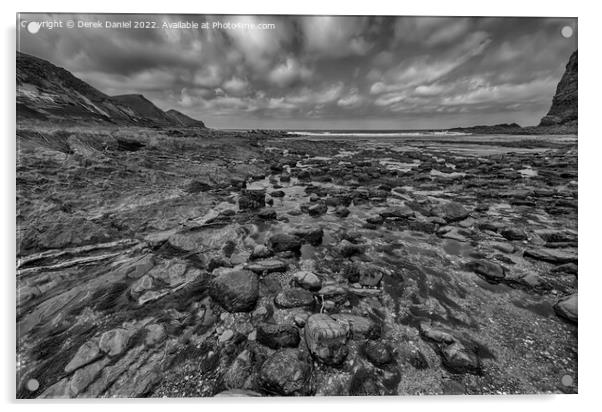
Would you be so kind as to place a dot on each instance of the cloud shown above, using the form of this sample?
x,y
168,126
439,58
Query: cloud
x,y
290,71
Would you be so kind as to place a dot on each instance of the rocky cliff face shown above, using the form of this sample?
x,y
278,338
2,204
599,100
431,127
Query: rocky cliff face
x,y
564,104
48,92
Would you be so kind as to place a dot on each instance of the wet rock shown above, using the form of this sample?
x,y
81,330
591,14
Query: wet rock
x,y
490,270
251,199
267,266
278,336
311,235
141,285
348,249
457,358
359,326
285,177
567,308
277,193
341,211
114,342
83,377
334,292
282,242
568,268
267,214
375,220
378,352
397,212
225,336
514,234
307,280
453,212
235,291
436,335
370,275
260,252
155,333
86,353
286,372
557,256
318,209
293,298
239,371
326,339
503,247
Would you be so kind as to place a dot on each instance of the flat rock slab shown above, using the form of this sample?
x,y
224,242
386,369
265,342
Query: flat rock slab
x,y
552,255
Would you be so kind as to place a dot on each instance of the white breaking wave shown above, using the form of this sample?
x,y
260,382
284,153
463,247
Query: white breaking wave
x,y
377,134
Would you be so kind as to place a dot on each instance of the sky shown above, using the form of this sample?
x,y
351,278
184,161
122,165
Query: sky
x,y
318,72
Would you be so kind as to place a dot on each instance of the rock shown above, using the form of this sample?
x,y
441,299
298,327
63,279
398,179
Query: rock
x,y
155,333
326,339
277,193
436,335
564,104
369,275
293,298
503,247
235,291
267,214
251,199
285,178
267,266
300,319
459,359
286,372
141,285
278,336
83,377
282,242
490,270
378,352
260,252
307,280
86,353
311,235
341,211
348,249
557,256
336,293
114,342
569,268
567,308
360,327
453,211
225,336
375,220
318,209
397,212
238,372
514,234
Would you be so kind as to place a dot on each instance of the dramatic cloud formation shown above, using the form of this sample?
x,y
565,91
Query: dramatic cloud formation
x,y
321,71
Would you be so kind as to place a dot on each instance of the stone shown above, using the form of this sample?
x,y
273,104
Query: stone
x,y
141,285
155,333
251,199
557,256
267,214
397,212
567,308
334,292
359,326
503,247
277,193
378,352
436,335
286,372
282,242
568,268
326,339
260,252
293,298
237,373
369,275
307,280
318,209
225,336
513,234
114,342
490,270
267,266
348,249
278,336
453,212
235,291
458,359
375,220
86,353
83,377
341,211
311,235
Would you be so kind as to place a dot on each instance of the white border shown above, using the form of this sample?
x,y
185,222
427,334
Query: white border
x,y
590,138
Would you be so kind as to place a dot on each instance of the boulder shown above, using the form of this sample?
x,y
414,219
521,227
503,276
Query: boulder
x,y
326,339
114,342
359,326
282,242
567,308
278,336
490,270
457,358
235,291
378,352
453,212
286,372
293,298
307,280
251,199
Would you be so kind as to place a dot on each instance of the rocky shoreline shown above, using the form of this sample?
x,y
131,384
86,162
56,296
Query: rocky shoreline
x,y
159,263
